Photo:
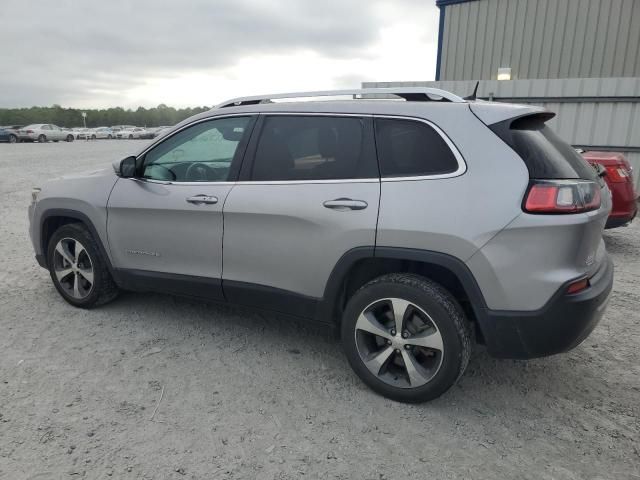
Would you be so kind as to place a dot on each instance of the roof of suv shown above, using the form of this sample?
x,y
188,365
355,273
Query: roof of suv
x,y
419,102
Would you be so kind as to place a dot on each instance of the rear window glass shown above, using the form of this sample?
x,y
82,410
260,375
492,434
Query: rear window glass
x,y
546,155
411,148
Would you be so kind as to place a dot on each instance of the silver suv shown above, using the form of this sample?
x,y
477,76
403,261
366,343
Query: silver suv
x,y
417,224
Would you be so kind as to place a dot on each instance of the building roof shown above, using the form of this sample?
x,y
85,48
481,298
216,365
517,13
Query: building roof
x,y
444,3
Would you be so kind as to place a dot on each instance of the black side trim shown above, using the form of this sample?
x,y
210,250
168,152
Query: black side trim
x,y
560,325
270,298
62,212
41,261
173,284
326,309
327,306
451,263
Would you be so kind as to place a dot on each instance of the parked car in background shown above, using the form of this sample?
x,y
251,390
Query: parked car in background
x,y
44,132
82,133
102,132
118,128
619,178
160,130
131,133
149,133
9,134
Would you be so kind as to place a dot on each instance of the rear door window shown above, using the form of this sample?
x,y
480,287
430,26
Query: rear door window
x,y
412,148
297,147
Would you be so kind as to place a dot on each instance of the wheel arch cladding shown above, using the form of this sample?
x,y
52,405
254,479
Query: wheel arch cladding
x,y
360,265
52,219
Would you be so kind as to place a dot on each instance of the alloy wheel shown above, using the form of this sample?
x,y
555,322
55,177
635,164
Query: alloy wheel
x,y
73,268
399,343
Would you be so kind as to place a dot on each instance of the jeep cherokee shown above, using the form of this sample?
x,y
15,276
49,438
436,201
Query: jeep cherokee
x,y
413,220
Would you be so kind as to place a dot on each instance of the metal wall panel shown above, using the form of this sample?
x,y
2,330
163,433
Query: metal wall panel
x,y
541,39
593,113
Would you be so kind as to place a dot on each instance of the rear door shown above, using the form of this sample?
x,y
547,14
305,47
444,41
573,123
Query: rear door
x,y
308,194
57,133
167,222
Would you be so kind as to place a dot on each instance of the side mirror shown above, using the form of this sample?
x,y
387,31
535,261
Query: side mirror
x,y
128,167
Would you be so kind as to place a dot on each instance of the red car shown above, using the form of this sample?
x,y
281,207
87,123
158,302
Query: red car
x,y
620,181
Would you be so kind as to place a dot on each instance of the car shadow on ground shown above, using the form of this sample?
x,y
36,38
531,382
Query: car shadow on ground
x,y
487,381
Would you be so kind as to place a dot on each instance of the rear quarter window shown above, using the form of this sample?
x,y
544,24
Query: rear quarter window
x,y
412,148
545,154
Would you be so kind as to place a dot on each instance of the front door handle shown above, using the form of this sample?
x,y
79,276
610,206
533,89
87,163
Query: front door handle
x,y
343,204
202,200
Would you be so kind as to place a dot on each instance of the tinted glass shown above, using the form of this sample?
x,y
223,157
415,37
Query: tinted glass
x,y
312,148
412,148
201,153
545,154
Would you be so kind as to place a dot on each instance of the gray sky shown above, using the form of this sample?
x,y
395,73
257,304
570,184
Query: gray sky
x,y
90,53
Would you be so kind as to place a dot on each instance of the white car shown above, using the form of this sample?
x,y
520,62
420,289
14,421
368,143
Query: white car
x,y
102,132
131,133
82,133
43,132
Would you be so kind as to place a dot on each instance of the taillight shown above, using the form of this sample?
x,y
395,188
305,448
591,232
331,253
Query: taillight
x,y
562,196
617,173
29,131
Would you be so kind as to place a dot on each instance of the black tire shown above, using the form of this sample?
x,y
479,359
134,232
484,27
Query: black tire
x,y
93,137
130,137
103,289
13,139
110,136
42,139
69,138
445,313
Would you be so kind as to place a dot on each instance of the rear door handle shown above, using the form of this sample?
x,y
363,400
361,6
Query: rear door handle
x,y
343,204
202,199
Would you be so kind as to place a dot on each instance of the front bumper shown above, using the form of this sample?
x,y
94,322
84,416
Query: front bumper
x,y
562,324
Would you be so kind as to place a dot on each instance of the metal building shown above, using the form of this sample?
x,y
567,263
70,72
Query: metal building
x,y
538,39
578,58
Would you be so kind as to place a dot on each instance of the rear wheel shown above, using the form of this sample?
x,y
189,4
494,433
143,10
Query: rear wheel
x,y
13,139
78,269
93,137
406,337
69,138
109,136
42,139
130,137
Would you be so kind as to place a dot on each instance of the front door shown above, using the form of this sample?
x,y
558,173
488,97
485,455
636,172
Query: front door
x,y
166,225
310,195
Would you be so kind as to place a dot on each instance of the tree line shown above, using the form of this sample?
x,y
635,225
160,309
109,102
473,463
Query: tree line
x,y
72,117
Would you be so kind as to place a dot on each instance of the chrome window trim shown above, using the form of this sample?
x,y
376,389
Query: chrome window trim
x,y
196,122
462,166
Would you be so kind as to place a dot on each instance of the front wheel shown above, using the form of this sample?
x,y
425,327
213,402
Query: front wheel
x,y
406,337
130,137
69,138
93,137
77,268
110,136
42,139
13,139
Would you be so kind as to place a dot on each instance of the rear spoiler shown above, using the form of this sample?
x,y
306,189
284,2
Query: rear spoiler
x,y
491,113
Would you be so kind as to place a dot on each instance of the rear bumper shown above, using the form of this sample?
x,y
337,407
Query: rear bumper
x,y
559,326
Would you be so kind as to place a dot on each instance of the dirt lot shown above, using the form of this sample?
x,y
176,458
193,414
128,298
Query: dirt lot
x,y
152,386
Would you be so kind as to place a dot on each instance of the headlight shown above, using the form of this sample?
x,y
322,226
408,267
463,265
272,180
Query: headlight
x,y
35,191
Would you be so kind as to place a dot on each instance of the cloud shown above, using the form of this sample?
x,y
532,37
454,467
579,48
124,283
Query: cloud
x,y
97,53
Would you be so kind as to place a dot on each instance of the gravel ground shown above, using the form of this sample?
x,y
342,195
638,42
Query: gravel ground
x,y
152,386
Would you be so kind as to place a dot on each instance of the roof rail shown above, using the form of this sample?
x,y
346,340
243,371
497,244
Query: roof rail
x,y
417,94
